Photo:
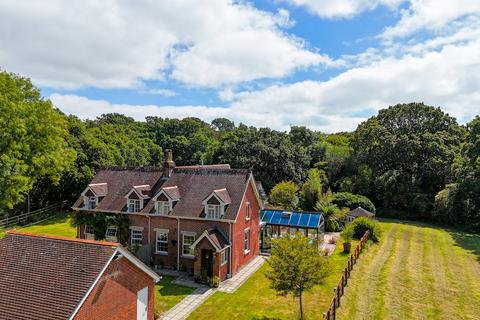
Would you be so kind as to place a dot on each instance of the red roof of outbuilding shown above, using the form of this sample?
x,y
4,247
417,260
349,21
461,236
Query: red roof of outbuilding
x,y
44,277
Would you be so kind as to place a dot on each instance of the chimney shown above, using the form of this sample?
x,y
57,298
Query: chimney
x,y
168,164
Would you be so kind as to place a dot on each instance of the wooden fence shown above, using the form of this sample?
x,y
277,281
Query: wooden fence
x,y
33,216
340,289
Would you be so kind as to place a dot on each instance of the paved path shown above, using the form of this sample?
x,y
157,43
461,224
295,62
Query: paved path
x,y
185,307
232,284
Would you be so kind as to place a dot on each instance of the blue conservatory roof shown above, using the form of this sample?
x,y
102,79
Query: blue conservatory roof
x,y
296,219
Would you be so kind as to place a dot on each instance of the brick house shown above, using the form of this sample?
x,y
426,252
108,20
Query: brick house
x,y
200,219
58,278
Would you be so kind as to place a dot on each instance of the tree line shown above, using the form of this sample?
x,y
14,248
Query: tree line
x,y
411,160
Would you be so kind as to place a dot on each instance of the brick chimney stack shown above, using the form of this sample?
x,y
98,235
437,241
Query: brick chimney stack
x,y
168,164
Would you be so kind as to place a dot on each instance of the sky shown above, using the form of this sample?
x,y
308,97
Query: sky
x,y
327,65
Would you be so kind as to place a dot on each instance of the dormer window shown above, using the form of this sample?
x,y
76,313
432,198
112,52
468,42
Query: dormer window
x,y
134,205
166,199
136,196
93,194
163,207
213,211
216,203
91,202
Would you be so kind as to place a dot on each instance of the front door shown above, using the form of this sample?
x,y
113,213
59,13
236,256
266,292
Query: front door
x,y
207,264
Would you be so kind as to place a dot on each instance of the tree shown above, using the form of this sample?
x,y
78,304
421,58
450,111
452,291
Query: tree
x,y
284,195
296,266
33,139
459,203
312,190
409,149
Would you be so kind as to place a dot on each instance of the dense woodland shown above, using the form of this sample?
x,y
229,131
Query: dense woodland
x,y
409,161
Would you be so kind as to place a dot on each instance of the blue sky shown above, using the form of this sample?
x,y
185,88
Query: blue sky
x,y
325,64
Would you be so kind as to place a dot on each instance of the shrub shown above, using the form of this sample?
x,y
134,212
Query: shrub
x,y
347,233
362,224
352,201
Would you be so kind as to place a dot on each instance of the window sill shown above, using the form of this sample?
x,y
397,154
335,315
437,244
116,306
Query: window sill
x,y
188,256
161,253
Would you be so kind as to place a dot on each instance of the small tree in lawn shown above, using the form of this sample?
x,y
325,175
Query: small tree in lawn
x,y
296,266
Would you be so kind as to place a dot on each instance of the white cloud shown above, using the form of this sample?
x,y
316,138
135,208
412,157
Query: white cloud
x,y
431,15
118,44
342,8
89,109
448,77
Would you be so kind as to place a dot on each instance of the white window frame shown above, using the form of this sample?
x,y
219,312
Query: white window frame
x,y
133,203
213,211
163,207
89,235
191,253
247,210
91,202
111,237
137,231
158,241
246,241
224,256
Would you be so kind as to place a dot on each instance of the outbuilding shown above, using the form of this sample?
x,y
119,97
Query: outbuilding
x,y
58,278
359,212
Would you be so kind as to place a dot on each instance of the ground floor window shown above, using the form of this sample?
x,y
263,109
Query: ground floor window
x,y
247,240
136,237
89,232
188,240
111,234
224,257
162,242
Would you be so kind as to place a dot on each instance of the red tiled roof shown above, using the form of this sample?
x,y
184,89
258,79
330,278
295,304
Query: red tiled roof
x,y
44,277
196,185
192,184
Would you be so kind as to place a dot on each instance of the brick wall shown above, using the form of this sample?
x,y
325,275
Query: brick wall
x,y
239,258
115,295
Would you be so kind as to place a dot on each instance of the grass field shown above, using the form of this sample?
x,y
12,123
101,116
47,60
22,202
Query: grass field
x,y
168,294
58,226
416,272
255,300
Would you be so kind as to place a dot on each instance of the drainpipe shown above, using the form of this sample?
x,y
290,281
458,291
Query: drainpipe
x,y
230,251
149,234
178,244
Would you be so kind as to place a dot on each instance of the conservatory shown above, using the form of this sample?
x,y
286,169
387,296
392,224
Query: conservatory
x,y
275,223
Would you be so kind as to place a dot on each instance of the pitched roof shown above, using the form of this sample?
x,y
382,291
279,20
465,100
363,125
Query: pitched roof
x,y
191,185
197,184
143,191
216,238
99,189
360,212
221,194
120,182
172,192
46,278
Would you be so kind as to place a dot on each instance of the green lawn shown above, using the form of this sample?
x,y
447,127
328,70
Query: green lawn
x,y
168,294
58,226
255,300
416,272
